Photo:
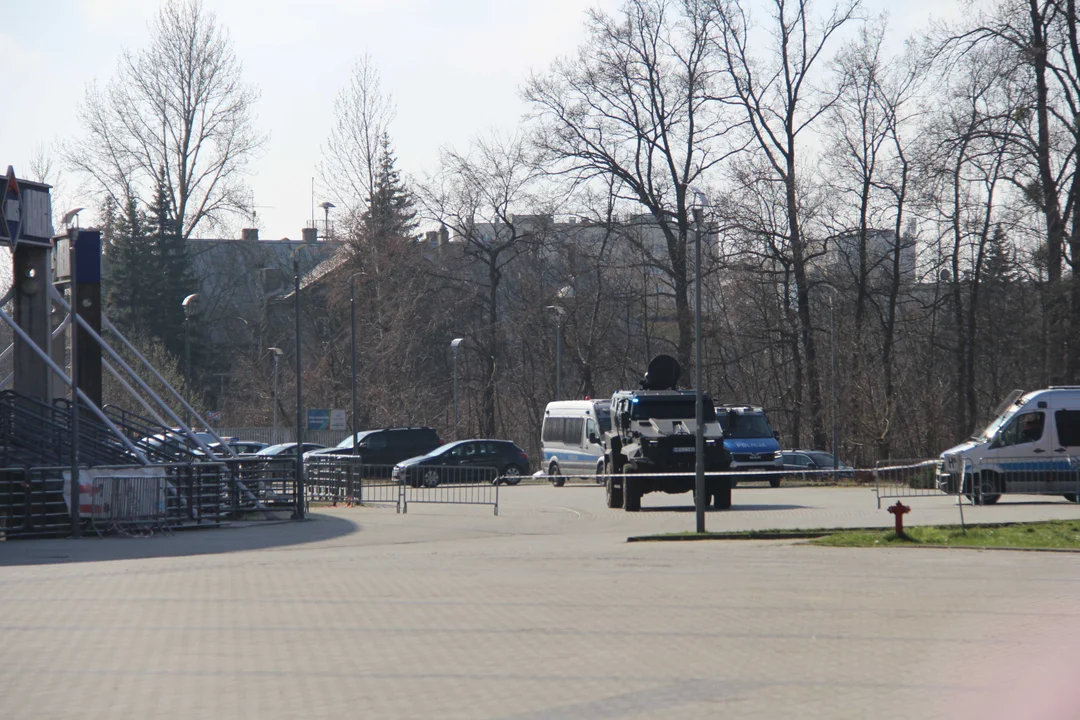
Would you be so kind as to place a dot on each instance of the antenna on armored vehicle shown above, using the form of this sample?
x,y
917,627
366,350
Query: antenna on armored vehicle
x,y
663,374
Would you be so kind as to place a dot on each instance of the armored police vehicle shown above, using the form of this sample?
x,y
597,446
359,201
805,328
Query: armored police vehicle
x,y
651,445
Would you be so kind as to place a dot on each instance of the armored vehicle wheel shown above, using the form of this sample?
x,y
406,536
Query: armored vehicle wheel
x,y
614,494
721,496
775,482
556,479
631,494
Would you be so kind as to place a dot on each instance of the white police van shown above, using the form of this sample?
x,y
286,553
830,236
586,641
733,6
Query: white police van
x,y
572,438
1031,446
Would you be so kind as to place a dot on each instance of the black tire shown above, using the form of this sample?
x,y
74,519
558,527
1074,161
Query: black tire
x,y
430,478
614,494
775,482
600,472
1072,497
511,475
721,496
631,494
556,479
980,496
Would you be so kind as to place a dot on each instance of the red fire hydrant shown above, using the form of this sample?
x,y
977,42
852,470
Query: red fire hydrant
x,y
899,510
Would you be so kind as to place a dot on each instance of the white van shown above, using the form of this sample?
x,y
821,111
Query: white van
x,y
572,438
1031,446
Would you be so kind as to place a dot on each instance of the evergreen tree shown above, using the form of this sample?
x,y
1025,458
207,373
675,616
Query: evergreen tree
x,y
390,212
129,255
171,272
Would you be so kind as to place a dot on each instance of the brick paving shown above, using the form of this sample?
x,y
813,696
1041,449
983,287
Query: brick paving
x,y
541,612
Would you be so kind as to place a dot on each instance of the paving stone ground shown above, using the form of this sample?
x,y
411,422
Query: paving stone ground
x,y
543,612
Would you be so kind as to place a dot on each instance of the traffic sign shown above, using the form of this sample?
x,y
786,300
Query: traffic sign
x,y
318,419
10,208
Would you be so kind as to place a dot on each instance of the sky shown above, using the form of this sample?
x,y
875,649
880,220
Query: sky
x,y
454,69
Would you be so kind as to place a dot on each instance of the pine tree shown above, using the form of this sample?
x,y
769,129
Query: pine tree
x,y
171,271
129,254
391,212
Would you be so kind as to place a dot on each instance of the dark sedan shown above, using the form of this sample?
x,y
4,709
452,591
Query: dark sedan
x,y
819,460
466,461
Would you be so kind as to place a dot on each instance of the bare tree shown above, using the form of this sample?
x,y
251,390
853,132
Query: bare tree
x,y
777,97
634,105
479,197
177,113
362,112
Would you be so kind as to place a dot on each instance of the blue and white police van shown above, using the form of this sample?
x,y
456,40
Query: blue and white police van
x,y
750,439
572,438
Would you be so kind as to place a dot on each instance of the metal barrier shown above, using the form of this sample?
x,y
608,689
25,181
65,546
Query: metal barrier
x,y
908,478
132,505
347,479
450,485
255,484
32,503
986,479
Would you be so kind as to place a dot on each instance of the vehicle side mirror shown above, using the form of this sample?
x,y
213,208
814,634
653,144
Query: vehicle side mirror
x,y
594,439
776,435
624,422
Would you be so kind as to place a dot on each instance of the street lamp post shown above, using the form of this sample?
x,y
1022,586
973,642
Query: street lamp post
x,y
352,345
275,353
188,304
454,345
700,499
299,513
834,372
559,312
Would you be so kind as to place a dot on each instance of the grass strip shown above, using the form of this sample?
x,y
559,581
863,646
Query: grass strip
x,y
1049,535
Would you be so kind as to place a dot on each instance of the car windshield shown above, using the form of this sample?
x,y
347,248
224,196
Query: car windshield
x,y
745,427
347,443
668,408
824,459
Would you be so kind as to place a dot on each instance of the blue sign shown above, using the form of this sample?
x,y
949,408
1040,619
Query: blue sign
x,y
318,419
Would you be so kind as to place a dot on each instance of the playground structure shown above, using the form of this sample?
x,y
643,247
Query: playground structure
x,y
57,437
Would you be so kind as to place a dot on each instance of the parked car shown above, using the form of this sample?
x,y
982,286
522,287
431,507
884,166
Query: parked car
x,y
387,446
468,461
803,460
240,447
285,449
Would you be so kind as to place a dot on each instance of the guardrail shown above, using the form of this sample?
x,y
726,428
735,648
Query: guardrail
x,y
132,505
908,478
448,485
346,479
985,480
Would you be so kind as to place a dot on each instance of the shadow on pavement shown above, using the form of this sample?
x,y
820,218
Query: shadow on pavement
x,y
734,508
208,541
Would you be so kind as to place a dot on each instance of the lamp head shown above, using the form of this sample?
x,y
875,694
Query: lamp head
x,y
190,304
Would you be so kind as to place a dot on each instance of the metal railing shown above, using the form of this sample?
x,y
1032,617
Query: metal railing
x,y
253,484
908,478
984,480
32,503
346,479
450,485
132,505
